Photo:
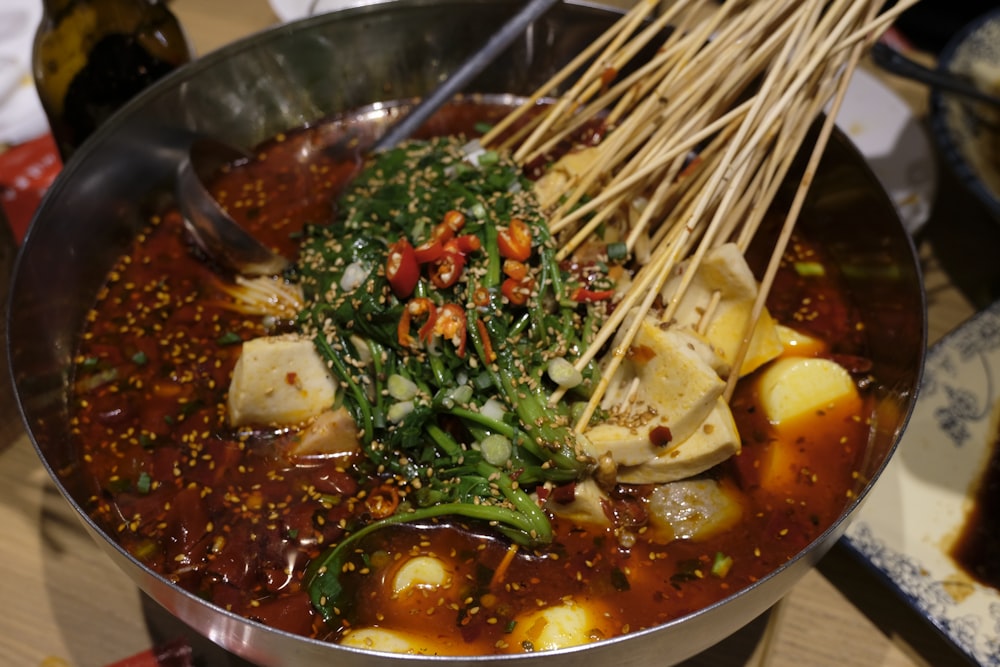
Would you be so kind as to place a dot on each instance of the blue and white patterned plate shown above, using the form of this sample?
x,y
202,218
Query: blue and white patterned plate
x,y
919,505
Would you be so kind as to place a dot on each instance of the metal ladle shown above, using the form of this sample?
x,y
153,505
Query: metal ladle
x,y
214,231
225,240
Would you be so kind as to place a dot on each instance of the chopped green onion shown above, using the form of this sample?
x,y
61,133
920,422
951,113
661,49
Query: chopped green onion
x,y
146,549
460,395
721,565
563,373
397,411
496,449
144,483
94,381
401,388
229,338
809,269
482,381
488,158
617,251
493,409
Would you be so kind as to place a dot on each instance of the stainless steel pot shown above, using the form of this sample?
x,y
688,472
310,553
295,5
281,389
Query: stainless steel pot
x,y
299,73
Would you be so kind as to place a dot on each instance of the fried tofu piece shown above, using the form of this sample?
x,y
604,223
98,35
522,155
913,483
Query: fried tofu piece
x,y
712,443
667,385
723,277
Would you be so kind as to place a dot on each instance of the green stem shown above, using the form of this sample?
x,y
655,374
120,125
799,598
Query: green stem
x,y
322,576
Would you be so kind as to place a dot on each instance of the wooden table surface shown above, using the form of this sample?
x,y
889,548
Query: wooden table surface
x,y
65,603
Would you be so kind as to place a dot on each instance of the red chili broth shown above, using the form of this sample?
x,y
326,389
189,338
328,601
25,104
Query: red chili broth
x,y
236,522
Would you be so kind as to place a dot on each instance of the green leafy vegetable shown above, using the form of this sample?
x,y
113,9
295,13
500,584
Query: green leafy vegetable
x,y
423,369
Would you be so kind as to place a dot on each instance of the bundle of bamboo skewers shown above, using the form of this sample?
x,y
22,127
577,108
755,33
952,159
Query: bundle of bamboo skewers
x,y
704,131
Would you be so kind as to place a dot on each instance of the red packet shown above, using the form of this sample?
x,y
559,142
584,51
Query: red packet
x,y
26,172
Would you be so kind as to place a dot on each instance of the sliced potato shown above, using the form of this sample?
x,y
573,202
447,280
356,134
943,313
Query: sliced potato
x,y
793,387
420,572
384,640
564,174
798,344
559,626
793,391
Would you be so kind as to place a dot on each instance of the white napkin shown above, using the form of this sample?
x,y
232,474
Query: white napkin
x,y
21,115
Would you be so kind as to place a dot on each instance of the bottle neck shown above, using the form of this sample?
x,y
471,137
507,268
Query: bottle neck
x,y
56,8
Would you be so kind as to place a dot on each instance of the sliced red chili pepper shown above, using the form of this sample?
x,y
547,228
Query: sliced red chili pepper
x,y
382,502
608,75
517,291
419,307
467,243
487,343
690,167
454,220
425,307
442,233
401,268
403,329
584,295
450,324
564,494
514,241
446,271
430,251
515,269
481,297
450,225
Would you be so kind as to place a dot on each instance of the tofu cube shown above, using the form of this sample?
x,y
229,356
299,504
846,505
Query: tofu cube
x,y
279,381
331,433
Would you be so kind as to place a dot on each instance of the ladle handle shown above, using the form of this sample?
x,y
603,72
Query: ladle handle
x,y
893,61
464,74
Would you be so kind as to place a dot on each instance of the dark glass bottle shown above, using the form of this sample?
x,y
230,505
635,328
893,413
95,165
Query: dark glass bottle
x,y
92,56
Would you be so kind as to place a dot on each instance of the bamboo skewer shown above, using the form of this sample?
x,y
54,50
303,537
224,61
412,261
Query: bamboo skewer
x,y
637,13
740,88
786,231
